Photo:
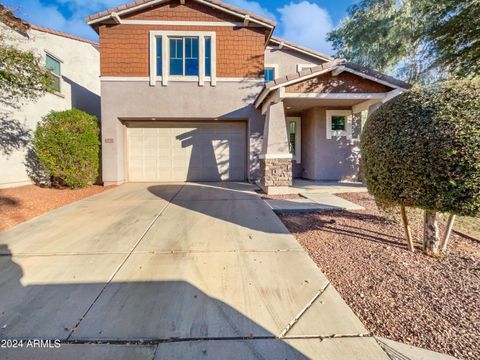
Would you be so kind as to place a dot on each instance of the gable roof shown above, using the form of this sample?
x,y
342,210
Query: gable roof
x,y
12,21
140,4
18,24
65,35
299,48
340,64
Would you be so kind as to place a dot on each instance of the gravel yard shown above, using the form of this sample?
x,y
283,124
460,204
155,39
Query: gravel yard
x,y
408,297
22,203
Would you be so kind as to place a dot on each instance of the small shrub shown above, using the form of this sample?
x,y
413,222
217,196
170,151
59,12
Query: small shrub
x,y
67,145
422,149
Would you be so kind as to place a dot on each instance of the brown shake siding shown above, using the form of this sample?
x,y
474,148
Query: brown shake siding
x,y
191,11
124,49
344,82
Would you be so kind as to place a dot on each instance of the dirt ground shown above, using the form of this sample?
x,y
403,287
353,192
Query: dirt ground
x,y
468,225
433,303
25,202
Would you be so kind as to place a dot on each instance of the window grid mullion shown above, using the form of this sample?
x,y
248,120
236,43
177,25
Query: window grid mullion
x,y
184,55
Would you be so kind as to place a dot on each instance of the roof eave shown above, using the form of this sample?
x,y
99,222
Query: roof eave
x,y
301,49
284,81
109,13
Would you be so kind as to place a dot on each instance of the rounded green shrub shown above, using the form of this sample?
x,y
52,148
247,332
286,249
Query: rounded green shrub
x,y
67,144
422,149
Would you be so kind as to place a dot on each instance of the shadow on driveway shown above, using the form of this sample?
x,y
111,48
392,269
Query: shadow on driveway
x,y
142,313
234,202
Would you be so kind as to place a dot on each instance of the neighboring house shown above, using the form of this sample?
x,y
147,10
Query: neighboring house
x,y
199,90
74,63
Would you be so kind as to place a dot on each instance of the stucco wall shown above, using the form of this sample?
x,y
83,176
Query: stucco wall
x,y
287,60
122,100
328,159
80,89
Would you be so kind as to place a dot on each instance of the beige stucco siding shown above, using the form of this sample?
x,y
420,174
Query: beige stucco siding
x,y
328,159
287,60
80,88
131,100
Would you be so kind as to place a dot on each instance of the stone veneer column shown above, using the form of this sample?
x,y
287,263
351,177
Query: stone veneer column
x,y
275,158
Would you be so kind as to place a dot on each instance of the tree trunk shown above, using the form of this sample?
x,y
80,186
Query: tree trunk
x,y
406,227
431,238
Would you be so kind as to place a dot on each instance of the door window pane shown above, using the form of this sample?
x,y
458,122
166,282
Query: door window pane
x,y
292,133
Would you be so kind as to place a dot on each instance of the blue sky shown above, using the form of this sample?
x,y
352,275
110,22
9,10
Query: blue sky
x,y
303,21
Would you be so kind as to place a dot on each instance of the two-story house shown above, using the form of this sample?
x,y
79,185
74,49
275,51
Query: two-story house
x,y
74,66
200,90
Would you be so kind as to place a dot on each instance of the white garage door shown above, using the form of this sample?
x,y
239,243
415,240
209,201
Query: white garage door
x,y
186,151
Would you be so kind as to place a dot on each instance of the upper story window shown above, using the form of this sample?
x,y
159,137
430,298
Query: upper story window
x,y
184,57
159,55
187,55
270,72
54,65
208,56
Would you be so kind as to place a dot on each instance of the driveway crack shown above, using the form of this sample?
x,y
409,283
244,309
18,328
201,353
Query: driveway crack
x,y
123,263
309,304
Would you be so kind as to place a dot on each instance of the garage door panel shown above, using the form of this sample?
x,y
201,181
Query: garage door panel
x,y
182,151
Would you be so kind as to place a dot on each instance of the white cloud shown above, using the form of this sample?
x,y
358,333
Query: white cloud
x,y
49,15
253,6
307,24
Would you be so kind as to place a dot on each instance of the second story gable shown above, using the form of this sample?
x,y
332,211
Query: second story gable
x,y
195,40
283,58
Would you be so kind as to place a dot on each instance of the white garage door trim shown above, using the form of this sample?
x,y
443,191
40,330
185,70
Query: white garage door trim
x,y
163,151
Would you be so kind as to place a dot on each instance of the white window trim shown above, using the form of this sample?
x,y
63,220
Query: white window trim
x,y
53,55
348,126
301,67
298,137
275,69
165,35
194,79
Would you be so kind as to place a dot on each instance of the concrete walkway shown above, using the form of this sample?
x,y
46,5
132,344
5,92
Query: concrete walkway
x,y
331,187
172,271
312,202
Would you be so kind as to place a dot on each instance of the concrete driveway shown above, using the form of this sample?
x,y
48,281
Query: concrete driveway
x,y
171,271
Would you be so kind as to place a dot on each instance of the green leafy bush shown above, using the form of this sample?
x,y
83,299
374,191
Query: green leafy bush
x,y
67,144
422,149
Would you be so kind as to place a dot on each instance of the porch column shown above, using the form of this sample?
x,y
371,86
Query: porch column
x,y
275,158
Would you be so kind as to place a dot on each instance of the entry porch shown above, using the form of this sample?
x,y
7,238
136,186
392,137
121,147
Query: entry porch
x,y
313,123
